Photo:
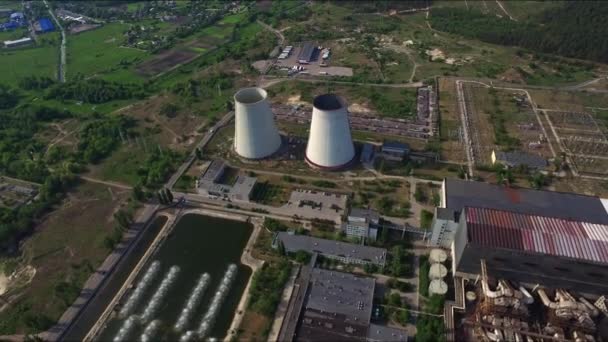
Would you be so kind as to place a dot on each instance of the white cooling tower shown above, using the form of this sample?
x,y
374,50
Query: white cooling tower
x,y
330,145
255,135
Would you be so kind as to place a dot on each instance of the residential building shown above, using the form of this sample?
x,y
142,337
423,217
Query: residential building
x,y
519,158
457,194
344,252
395,151
532,249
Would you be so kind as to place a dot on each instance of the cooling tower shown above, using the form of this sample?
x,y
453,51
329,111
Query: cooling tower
x,y
330,145
255,135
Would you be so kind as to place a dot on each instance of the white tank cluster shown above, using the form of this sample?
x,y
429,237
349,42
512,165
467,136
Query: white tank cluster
x,y
330,145
143,284
160,294
192,302
256,135
150,331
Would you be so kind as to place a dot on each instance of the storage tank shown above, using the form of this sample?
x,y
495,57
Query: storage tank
x,y
330,146
255,134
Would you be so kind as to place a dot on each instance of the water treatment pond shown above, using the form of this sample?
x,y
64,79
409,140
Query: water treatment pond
x,y
198,244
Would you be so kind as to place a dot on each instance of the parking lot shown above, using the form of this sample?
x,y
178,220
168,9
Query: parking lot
x,y
316,204
313,68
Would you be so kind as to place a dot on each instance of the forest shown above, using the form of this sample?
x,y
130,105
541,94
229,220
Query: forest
x,y
94,91
577,29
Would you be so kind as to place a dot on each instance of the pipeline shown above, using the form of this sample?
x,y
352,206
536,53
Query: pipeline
x,y
159,295
192,303
125,329
150,330
214,307
143,284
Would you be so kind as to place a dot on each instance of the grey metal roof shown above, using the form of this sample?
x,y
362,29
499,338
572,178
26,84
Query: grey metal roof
x,y
518,158
370,215
213,171
461,193
445,214
381,333
294,243
395,145
308,48
242,187
342,293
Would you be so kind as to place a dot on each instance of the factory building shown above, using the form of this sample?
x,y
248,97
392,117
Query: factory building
x,y
395,151
18,42
208,184
533,249
362,223
457,194
344,252
330,146
256,135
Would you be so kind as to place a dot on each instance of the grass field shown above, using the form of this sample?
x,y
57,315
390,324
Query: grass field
x,y
62,264
99,52
40,60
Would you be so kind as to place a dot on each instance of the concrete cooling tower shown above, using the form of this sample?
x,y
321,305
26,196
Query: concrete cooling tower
x,y
330,146
255,135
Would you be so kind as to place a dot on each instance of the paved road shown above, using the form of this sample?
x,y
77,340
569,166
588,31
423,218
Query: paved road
x,y
267,81
108,183
62,61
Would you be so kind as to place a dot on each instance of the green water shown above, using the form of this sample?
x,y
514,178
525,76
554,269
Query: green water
x,y
197,244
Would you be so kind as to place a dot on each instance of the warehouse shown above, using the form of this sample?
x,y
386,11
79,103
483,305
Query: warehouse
x,y
18,42
532,249
44,25
457,194
306,53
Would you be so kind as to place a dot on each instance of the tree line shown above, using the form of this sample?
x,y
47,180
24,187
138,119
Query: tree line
x,y
575,29
94,91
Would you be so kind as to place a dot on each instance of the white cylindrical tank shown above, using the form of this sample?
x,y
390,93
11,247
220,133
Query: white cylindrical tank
x,y
330,145
255,134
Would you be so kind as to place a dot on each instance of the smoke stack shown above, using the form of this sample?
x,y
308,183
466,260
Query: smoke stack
x,y
255,135
330,146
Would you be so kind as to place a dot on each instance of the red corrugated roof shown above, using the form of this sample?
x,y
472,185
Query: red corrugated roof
x,y
538,234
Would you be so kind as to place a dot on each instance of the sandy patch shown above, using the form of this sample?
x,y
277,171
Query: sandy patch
x,y
3,283
358,108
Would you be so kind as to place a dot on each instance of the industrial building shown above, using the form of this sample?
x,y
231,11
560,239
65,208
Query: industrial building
x,y
256,135
395,151
518,159
18,42
330,146
530,248
367,155
44,25
342,251
208,184
457,194
495,308
362,223
306,52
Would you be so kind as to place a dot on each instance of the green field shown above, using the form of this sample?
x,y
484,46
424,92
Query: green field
x,y
99,52
33,60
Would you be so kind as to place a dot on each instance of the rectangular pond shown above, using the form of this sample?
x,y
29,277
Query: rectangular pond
x,y
198,244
